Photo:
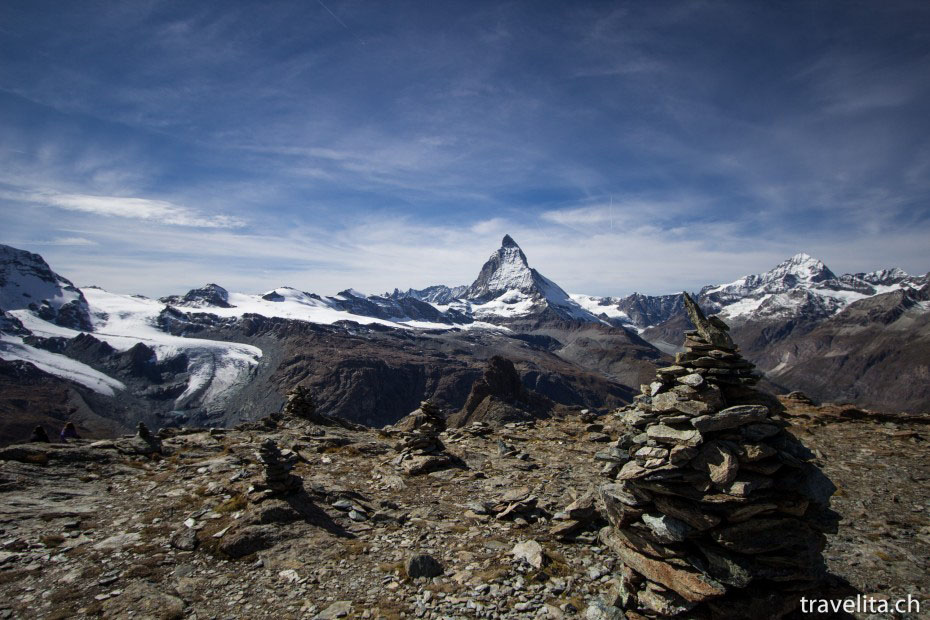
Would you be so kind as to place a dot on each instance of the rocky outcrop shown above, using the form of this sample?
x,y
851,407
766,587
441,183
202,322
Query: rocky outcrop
x,y
500,397
210,295
718,512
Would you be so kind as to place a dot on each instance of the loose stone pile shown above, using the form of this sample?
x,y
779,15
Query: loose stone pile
x,y
717,513
278,477
420,449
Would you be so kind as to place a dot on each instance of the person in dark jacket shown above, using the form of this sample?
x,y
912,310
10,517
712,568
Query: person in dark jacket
x,y
69,432
39,435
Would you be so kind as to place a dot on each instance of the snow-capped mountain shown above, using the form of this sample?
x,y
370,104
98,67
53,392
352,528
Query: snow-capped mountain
x,y
27,282
801,286
194,357
507,288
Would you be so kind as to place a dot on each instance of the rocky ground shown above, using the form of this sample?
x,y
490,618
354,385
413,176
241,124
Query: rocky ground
x,y
112,529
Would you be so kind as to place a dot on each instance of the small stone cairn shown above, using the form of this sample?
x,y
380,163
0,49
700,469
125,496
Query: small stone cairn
x,y
300,404
716,512
142,443
418,444
278,477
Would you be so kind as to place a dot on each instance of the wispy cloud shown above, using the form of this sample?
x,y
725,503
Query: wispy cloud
x,y
160,211
65,241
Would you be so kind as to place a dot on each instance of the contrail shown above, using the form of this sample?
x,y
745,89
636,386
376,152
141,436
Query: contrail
x,y
341,23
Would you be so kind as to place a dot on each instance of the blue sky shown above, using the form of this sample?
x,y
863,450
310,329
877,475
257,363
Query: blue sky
x,y
152,146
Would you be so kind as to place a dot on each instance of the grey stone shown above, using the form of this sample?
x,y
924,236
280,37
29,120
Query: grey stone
x,y
598,610
693,380
184,539
667,529
662,601
339,609
531,552
720,462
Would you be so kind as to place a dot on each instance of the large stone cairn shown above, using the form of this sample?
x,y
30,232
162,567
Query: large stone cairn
x,y
717,513
278,477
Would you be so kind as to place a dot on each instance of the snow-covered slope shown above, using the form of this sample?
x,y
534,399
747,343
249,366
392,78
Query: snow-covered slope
x,y
801,270
605,308
13,348
289,303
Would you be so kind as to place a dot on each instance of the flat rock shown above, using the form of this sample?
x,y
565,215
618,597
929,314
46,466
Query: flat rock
x,y
720,462
731,417
667,434
764,535
142,600
690,584
693,380
689,512
662,601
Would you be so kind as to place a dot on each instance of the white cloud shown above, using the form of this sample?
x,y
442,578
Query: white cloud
x,y
385,251
160,211
66,241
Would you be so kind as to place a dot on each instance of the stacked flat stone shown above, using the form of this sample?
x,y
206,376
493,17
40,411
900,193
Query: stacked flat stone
x,y
717,513
278,476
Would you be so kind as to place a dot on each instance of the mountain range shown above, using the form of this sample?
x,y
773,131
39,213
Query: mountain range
x,y
210,356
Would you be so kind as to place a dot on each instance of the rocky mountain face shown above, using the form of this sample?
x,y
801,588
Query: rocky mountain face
x,y
499,397
439,294
508,288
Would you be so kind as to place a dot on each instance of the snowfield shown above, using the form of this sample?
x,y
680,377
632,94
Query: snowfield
x,y
301,306
216,368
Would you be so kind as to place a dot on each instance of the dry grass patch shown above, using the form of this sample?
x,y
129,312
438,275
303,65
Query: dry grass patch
x,y
233,504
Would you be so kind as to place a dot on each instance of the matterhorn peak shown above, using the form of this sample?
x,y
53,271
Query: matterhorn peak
x,y
505,270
